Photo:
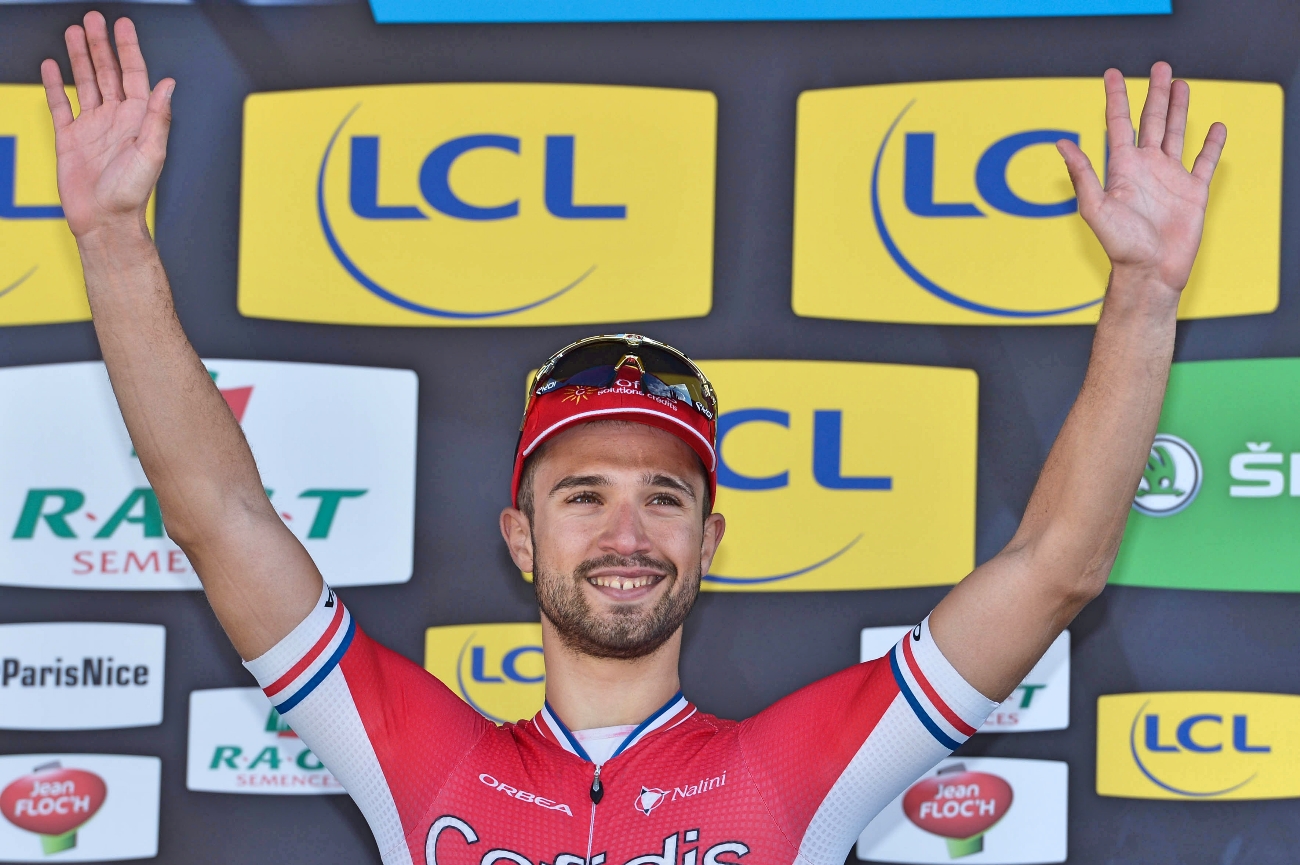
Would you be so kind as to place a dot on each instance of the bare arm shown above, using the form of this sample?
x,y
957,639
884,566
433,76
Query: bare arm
x,y
259,579
995,624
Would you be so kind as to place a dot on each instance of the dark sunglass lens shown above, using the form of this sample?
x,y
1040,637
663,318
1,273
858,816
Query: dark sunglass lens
x,y
597,376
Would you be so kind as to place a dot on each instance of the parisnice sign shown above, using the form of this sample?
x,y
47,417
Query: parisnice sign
x,y
1220,495
335,446
80,675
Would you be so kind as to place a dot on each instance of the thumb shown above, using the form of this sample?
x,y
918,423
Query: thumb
x,y
1087,188
152,140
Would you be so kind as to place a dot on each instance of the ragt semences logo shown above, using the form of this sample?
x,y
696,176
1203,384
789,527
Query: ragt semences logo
x,y
40,271
496,668
947,203
78,807
477,204
335,446
990,809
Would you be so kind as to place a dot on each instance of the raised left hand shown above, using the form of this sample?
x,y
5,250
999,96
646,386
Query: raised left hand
x,y
1150,215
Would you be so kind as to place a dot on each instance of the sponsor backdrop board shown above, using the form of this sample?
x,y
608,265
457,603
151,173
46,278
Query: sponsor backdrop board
x,y
945,203
743,650
496,668
980,810
81,675
238,743
1040,702
335,445
78,807
447,11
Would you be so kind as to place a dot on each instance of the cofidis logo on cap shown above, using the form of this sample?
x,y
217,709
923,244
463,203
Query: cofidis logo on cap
x,y
477,204
947,203
1198,745
496,668
843,475
40,273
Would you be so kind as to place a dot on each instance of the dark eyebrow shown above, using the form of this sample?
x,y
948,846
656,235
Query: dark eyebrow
x,y
568,483
671,482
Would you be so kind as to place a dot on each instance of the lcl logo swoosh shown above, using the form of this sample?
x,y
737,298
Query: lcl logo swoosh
x,y
772,578
366,282
1132,743
11,286
914,273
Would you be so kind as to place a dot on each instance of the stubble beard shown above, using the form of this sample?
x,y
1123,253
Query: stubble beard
x,y
628,631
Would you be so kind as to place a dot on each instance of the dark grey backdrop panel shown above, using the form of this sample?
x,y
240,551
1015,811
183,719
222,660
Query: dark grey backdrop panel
x,y
742,651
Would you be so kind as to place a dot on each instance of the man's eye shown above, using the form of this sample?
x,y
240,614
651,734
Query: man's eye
x,y
584,499
665,499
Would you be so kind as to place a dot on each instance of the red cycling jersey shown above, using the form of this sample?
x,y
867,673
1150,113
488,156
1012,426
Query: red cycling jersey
x,y
441,785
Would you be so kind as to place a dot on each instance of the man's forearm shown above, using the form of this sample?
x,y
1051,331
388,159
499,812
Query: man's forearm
x,y
189,444
1076,517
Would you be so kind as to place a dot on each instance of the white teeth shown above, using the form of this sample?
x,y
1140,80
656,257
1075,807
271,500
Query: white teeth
x,y
621,582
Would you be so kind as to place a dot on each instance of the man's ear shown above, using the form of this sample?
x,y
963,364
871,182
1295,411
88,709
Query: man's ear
x,y
715,525
518,535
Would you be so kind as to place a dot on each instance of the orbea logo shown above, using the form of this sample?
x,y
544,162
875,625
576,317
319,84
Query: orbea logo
x,y
80,676
238,743
946,202
1197,745
995,810
395,204
78,807
496,668
844,475
335,444
1171,479
40,272
1040,702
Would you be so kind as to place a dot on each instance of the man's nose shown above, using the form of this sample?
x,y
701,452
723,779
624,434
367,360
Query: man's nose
x,y
624,534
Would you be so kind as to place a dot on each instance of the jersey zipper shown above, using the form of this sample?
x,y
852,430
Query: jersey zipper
x,y
597,793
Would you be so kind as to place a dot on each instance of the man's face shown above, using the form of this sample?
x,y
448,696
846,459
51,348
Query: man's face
x,y
619,539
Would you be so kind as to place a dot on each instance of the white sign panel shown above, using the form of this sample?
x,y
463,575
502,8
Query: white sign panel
x,y
976,810
240,744
80,675
335,446
78,807
1041,702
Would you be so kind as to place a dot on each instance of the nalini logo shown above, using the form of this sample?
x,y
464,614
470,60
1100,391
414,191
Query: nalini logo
x,y
958,805
1197,746
394,204
497,668
1172,477
53,802
843,475
947,203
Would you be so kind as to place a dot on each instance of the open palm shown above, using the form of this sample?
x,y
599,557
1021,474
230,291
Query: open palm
x,y
110,154
1151,212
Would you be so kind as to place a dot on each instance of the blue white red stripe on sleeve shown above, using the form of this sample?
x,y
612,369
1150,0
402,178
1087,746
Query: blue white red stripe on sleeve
x,y
943,701
301,661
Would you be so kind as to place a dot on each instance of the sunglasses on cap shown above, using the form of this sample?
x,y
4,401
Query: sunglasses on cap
x,y
596,360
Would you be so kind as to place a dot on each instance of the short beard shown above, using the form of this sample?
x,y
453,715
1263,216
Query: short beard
x,y
629,634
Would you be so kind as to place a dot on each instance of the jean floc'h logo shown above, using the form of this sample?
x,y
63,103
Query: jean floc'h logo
x,y
496,668
947,203
1197,746
843,475
454,205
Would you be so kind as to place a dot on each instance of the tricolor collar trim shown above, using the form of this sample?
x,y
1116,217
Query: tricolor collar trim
x,y
669,715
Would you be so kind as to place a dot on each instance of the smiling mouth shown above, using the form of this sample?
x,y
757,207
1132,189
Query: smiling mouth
x,y
625,583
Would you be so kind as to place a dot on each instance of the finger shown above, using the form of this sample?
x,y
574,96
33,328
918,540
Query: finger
x,y
1180,96
1208,159
107,72
135,76
152,140
1087,188
1119,123
55,96
1156,110
83,71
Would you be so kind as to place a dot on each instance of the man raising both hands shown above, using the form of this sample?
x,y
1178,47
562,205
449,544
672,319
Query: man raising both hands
x,y
612,510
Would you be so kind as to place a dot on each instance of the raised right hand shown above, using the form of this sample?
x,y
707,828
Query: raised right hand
x,y
111,153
